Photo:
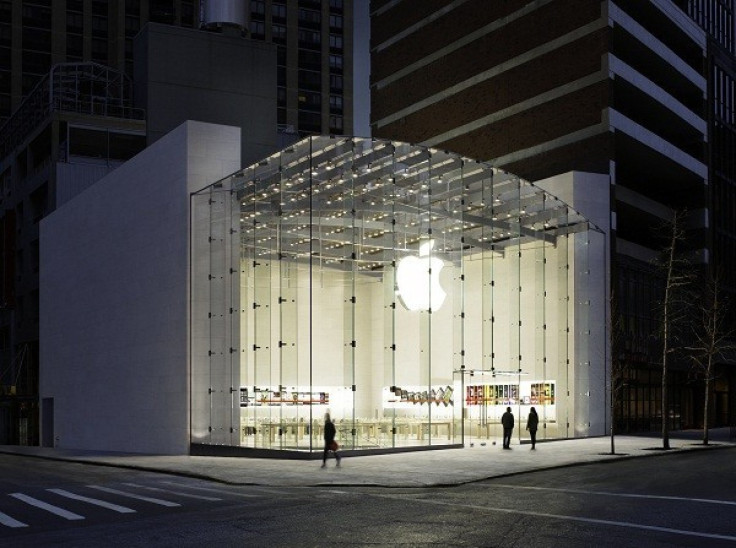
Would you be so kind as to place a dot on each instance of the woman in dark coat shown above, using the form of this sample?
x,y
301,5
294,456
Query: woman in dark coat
x,y
330,432
531,424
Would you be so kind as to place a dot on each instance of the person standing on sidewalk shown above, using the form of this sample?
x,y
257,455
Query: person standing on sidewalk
x,y
507,421
330,443
531,424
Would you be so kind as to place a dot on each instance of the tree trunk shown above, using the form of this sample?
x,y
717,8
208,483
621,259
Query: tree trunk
x,y
665,412
668,290
613,411
707,405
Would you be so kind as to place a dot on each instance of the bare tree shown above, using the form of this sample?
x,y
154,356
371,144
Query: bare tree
x,y
677,277
618,362
712,339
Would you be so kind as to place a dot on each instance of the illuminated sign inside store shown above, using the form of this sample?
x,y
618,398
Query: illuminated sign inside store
x,y
418,280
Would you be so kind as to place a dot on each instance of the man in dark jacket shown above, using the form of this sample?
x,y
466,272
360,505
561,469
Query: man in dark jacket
x,y
531,424
507,420
330,432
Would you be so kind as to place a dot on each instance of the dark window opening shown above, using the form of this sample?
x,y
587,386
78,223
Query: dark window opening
x,y
310,121
162,11
309,80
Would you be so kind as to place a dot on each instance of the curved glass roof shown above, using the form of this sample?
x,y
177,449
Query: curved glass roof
x,y
349,198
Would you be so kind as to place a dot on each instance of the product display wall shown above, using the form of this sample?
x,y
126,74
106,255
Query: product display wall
x,y
309,276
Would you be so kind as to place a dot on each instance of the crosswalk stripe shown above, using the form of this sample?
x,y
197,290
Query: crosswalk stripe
x,y
6,520
179,493
96,502
134,496
66,514
212,490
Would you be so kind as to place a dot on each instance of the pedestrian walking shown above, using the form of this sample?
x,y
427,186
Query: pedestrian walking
x,y
507,421
330,443
531,424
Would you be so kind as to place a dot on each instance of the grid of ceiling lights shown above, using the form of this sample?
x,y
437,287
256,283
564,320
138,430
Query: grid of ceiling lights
x,y
357,202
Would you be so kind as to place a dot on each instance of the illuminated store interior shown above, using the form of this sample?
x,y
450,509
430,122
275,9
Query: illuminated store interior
x,y
412,293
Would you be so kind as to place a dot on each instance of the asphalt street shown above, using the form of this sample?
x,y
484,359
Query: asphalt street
x,y
685,498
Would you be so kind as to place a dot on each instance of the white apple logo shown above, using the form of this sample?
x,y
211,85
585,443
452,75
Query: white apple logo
x,y
418,280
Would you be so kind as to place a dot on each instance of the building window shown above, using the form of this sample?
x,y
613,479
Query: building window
x,y
336,104
36,16
310,80
278,12
258,30
310,59
132,25
335,42
4,105
35,62
132,7
99,26
99,50
99,7
336,63
278,34
309,18
336,22
5,79
5,9
187,14
74,22
36,39
309,100
257,9
335,83
310,121
309,39
28,81
162,11
74,45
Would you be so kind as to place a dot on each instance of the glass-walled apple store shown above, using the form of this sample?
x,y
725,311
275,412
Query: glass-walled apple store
x,y
411,293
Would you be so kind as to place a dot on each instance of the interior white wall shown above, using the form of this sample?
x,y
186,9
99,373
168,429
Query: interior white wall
x,y
114,287
532,322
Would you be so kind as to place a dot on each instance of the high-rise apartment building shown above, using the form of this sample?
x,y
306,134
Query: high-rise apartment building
x,y
314,38
718,20
640,91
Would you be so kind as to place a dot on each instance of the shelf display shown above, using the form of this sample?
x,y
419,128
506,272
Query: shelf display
x,y
411,396
542,394
285,396
526,393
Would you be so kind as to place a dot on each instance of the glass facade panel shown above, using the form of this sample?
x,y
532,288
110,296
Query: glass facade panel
x,y
411,293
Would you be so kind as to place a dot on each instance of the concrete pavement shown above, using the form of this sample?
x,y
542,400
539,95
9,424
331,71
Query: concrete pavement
x,y
415,469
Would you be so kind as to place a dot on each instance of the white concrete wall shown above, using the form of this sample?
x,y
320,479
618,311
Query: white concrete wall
x,y
114,297
589,194
72,179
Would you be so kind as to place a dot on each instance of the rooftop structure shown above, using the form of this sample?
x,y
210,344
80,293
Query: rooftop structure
x,y
82,88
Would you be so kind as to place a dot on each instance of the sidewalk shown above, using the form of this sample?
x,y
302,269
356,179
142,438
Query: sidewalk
x,y
416,469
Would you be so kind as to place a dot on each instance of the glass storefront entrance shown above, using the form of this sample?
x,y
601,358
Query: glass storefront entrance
x,y
411,293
